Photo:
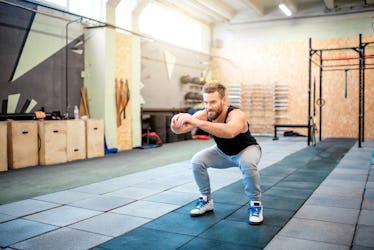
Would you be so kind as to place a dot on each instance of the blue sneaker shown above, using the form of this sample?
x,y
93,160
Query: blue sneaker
x,y
255,211
202,206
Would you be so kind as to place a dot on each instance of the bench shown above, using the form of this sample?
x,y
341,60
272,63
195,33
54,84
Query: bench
x,y
276,126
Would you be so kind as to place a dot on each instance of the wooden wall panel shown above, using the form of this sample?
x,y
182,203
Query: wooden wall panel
x,y
123,71
287,63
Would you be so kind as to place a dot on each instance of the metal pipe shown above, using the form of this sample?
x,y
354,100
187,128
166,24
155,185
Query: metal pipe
x,y
309,87
346,65
334,49
346,58
363,96
344,69
320,97
360,93
346,83
314,96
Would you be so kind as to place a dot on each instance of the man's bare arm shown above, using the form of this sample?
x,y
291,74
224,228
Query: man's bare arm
x,y
235,124
179,126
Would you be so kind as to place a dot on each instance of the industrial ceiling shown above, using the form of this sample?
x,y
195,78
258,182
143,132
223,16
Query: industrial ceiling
x,y
252,11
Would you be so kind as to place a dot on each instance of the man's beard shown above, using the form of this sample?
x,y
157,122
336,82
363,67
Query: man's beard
x,y
214,115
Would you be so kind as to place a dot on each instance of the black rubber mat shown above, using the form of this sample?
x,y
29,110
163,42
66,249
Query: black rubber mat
x,y
286,185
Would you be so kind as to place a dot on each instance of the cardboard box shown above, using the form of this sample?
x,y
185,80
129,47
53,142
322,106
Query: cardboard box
x,y
76,140
22,144
95,138
53,141
3,146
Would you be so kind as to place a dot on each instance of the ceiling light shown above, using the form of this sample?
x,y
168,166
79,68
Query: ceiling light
x,y
285,9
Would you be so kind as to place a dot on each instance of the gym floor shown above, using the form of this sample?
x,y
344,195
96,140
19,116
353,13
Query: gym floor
x,y
314,198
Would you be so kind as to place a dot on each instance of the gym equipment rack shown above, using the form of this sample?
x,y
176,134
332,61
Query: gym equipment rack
x,y
362,66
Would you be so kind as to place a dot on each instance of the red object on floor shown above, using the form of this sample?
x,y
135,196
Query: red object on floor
x,y
202,137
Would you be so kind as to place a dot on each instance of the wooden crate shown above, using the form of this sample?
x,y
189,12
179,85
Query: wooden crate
x,y
52,142
3,146
95,138
22,144
76,140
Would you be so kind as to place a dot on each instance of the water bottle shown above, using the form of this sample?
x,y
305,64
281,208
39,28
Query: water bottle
x,y
76,112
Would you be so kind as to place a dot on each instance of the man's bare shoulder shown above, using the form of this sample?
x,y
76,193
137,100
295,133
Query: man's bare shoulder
x,y
237,112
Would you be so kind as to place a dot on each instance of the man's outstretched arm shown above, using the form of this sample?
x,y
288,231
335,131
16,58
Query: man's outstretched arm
x,y
179,126
235,124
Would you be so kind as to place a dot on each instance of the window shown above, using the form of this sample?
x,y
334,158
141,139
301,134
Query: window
x,y
169,26
89,8
83,7
62,4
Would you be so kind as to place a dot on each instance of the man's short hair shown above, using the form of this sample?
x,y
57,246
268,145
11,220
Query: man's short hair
x,y
215,87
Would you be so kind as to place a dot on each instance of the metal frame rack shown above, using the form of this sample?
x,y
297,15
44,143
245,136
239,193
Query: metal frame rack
x,y
361,57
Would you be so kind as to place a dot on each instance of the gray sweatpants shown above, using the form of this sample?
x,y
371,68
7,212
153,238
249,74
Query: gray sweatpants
x,y
213,157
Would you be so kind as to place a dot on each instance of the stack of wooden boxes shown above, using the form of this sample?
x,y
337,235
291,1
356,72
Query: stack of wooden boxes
x,y
29,143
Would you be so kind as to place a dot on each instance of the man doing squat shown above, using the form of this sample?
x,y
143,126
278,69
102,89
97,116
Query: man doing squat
x,y
235,146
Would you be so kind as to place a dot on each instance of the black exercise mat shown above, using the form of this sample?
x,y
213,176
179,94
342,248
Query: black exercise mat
x,y
286,185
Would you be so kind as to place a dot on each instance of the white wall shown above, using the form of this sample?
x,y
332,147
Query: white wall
x,y
299,29
94,74
99,78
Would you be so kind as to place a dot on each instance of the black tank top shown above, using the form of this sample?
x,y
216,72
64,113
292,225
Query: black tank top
x,y
235,145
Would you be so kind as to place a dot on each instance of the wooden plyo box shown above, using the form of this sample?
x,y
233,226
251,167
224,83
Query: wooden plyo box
x,y
3,146
22,144
52,142
76,140
95,138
